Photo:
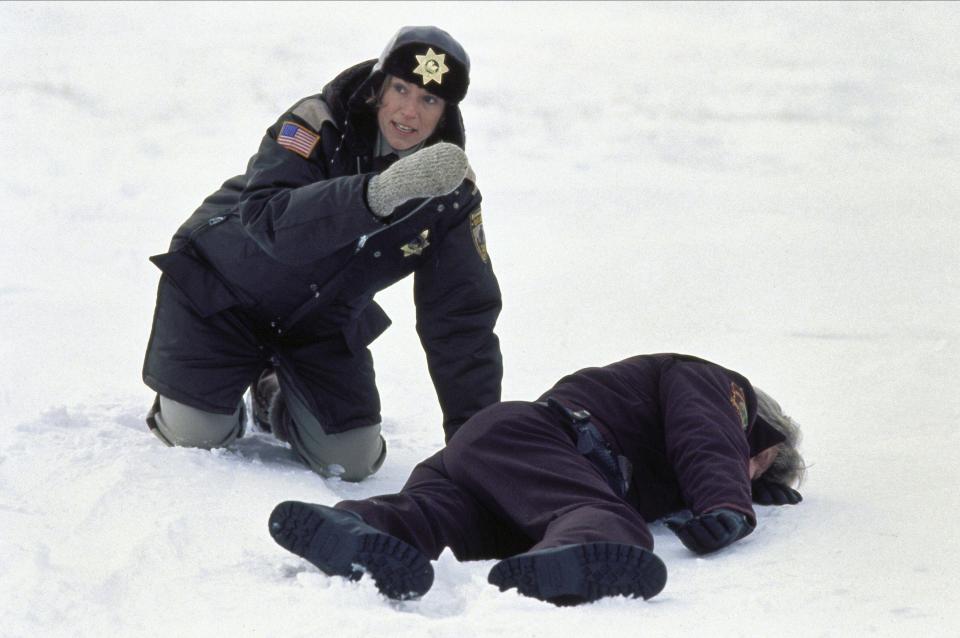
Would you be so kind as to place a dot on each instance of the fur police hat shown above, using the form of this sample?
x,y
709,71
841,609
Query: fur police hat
x,y
429,58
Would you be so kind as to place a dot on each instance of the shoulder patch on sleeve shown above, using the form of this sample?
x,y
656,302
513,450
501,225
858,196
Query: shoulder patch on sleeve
x,y
296,138
314,112
739,401
479,238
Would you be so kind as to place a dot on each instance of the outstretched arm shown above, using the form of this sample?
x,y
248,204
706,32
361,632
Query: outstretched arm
x,y
707,448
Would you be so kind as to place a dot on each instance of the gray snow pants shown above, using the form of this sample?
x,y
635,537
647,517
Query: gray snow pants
x,y
200,365
352,455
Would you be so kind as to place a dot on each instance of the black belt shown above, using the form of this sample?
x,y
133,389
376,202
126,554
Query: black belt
x,y
616,468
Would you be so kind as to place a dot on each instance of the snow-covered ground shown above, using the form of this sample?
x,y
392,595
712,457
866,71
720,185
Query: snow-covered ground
x,y
771,186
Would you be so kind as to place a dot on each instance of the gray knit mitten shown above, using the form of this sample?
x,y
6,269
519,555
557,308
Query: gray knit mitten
x,y
430,172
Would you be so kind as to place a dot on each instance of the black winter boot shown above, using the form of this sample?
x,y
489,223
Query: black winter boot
x,y
339,543
582,573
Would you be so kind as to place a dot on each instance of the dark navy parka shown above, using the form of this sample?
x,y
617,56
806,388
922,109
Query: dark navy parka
x,y
293,242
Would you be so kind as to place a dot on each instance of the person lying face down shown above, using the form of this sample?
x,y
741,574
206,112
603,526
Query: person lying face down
x,y
561,490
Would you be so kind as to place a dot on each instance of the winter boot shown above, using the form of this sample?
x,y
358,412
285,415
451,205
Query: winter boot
x,y
341,544
582,573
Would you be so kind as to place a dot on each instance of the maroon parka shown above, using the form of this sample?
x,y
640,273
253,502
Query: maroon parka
x,y
685,424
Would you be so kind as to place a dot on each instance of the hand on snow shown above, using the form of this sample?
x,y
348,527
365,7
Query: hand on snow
x,y
711,531
430,172
770,493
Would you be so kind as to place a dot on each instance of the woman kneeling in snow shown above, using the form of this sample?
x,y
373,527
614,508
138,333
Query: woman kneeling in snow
x,y
561,489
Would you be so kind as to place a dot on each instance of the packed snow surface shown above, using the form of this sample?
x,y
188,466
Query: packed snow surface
x,y
770,186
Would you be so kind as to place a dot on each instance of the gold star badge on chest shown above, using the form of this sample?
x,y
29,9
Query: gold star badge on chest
x,y
431,67
415,247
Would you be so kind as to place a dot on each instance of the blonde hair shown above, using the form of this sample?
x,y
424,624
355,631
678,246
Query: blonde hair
x,y
788,467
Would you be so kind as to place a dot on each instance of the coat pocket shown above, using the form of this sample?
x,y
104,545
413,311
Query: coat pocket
x,y
362,331
202,286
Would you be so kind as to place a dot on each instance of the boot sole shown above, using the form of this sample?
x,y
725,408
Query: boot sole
x,y
340,544
576,574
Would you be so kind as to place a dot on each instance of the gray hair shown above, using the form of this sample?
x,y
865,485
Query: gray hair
x,y
788,467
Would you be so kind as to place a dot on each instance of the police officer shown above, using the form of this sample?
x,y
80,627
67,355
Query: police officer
x,y
270,282
561,489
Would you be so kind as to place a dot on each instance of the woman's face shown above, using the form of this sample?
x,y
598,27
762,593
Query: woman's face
x,y
407,114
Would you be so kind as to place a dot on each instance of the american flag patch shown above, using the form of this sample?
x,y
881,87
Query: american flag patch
x,y
297,139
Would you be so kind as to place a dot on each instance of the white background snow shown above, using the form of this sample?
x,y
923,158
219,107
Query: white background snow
x,y
771,186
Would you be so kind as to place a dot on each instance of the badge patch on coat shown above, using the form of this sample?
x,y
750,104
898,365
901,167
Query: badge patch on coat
x,y
416,246
479,238
739,401
297,138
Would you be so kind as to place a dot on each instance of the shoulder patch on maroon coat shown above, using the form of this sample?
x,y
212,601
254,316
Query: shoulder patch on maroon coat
x,y
739,401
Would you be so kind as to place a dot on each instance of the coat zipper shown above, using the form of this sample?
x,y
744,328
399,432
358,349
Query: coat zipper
x,y
207,225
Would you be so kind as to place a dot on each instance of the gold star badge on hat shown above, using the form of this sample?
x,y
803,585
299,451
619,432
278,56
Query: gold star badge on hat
x,y
431,66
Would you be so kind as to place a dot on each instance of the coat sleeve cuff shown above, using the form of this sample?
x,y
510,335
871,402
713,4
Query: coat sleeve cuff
x,y
366,202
